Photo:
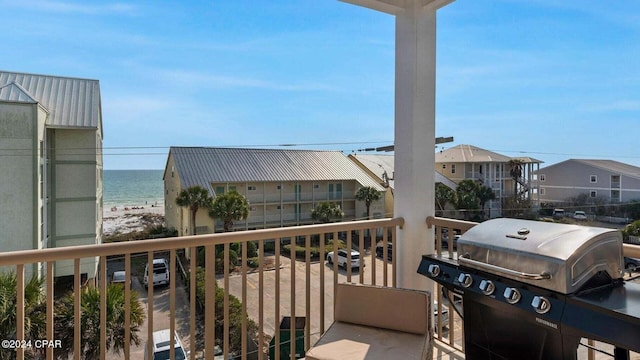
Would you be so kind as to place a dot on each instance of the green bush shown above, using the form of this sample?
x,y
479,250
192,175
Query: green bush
x,y
253,262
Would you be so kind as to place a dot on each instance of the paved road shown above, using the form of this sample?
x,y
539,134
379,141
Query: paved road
x,y
270,294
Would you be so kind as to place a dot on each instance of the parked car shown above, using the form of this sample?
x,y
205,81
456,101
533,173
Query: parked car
x,y
558,213
579,215
160,272
380,251
445,242
119,277
631,264
161,346
341,258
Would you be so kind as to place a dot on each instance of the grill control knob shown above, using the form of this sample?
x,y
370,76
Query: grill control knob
x,y
434,270
541,304
512,295
465,280
487,287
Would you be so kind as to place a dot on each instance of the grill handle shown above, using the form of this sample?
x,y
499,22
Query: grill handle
x,y
465,259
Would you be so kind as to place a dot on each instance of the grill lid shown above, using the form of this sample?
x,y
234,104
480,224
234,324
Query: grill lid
x,y
558,257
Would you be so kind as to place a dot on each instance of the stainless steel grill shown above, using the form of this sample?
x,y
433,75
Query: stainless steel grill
x,y
557,257
532,290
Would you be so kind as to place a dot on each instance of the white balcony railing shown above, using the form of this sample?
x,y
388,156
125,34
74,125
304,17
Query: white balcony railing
x,y
282,283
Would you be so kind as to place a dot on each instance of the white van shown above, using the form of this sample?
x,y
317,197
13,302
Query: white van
x,y
161,346
160,272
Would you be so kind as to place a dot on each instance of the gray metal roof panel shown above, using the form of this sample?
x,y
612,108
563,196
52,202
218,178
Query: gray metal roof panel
x,y
205,165
71,102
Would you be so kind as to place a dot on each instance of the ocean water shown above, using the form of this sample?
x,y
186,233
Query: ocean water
x,y
133,188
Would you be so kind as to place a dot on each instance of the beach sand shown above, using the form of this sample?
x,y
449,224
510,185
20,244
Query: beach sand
x,y
123,220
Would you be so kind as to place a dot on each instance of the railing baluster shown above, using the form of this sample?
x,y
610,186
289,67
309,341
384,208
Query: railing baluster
x,y
335,265
209,299
193,270
385,269
102,278
227,270
261,299
277,299
243,336
322,258
307,326
172,300
292,304
19,310
127,306
394,263
349,272
77,330
372,241
49,305
361,246
149,275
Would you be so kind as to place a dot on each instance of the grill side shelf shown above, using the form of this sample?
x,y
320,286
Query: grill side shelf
x,y
611,315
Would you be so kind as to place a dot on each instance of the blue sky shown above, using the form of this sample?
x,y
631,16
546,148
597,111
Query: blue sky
x,y
543,78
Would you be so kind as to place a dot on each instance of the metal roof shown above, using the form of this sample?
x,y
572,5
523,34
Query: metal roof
x,y
378,164
469,154
612,166
205,165
71,102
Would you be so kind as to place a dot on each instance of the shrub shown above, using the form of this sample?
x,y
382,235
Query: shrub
x,y
235,312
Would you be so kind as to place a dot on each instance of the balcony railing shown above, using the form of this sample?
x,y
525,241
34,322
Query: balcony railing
x,y
282,284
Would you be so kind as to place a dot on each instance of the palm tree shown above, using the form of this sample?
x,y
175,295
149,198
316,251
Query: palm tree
x,y
34,311
444,195
229,207
515,171
485,194
194,197
467,196
325,212
90,322
368,194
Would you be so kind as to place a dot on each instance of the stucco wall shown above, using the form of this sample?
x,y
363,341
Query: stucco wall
x,y
17,130
76,199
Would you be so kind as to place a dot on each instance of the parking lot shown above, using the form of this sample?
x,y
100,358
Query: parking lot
x,y
269,291
161,319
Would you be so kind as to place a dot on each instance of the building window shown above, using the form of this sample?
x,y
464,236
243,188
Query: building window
x,y
444,166
316,186
453,168
251,188
219,190
542,177
278,187
593,193
480,169
542,191
593,179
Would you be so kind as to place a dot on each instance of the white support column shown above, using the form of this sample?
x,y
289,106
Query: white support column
x,y
414,140
414,196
